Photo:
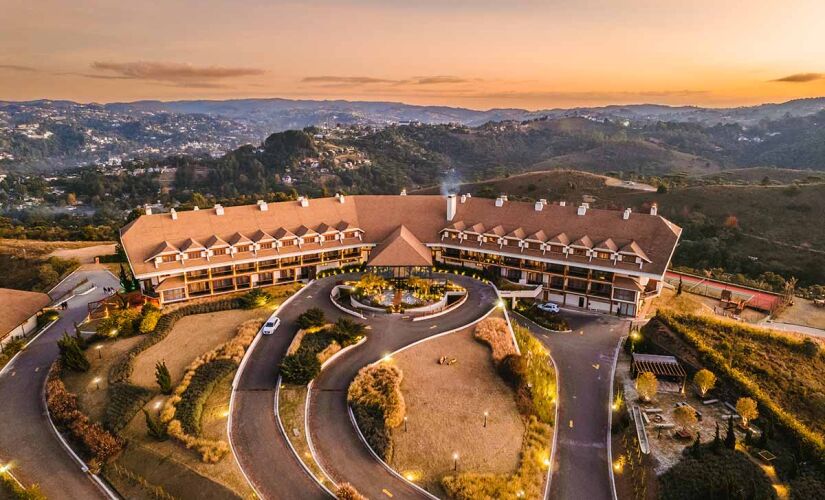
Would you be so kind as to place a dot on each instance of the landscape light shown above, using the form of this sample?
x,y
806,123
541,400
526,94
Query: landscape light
x,y
5,468
387,358
500,303
455,461
96,381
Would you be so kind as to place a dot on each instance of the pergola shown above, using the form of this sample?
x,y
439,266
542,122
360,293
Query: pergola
x,y
665,367
400,255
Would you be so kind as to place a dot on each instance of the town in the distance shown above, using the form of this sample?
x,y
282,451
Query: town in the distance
x,y
444,250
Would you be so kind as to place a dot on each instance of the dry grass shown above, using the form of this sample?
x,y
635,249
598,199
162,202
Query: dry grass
x,y
93,400
36,248
804,313
190,337
291,401
494,332
84,255
445,410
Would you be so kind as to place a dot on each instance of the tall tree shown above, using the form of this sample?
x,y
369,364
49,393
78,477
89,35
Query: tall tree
x,y
730,437
163,378
71,354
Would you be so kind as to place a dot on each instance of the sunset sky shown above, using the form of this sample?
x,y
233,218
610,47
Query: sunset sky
x,y
473,53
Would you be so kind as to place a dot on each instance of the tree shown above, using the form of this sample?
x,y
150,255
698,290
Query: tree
x,y
647,385
730,437
154,427
679,289
704,380
746,408
312,317
124,280
300,368
685,417
71,354
71,199
717,441
347,330
163,378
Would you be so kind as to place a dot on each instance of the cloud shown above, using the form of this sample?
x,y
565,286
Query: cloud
x,y
801,78
347,80
329,81
438,80
175,74
17,67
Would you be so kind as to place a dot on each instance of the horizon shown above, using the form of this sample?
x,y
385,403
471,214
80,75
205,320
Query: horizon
x,y
477,55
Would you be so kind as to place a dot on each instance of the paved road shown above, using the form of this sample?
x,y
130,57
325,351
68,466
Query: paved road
x,y
341,452
584,359
27,439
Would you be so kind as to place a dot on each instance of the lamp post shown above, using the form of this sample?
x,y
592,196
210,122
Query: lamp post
x,y
455,461
405,424
98,348
97,382
485,418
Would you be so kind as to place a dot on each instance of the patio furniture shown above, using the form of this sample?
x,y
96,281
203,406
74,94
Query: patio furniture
x,y
766,456
710,401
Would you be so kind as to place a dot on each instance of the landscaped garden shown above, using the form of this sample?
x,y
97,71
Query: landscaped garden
x,y
545,319
408,294
165,393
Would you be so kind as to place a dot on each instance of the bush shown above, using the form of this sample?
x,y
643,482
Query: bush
x,y
71,355
347,491
10,489
190,407
154,427
255,298
378,405
124,401
300,368
540,377
150,319
513,369
163,378
311,318
704,380
647,385
347,331
120,323
8,351
720,474
495,333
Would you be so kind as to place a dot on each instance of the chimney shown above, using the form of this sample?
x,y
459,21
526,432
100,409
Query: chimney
x,y
174,214
543,201
147,209
562,203
404,192
304,201
654,209
626,214
263,206
218,209
539,206
452,206
468,195
341,198
196,208
463,198
582,209
500,201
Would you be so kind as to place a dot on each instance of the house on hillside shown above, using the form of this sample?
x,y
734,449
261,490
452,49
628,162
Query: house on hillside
x,y
18,313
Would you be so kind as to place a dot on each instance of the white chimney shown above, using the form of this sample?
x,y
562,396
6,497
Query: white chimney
x,y
262,205
468,195
148,209
452,206
543,201
626,214
174,214
500,201
341,198
463,198
562,203
304,201
539,206
196,208
404,192
218,209
582,209
654,209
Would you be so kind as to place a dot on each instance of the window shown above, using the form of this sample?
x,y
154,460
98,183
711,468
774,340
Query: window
x,y
555,249
219,251
626,295
243,248
193,255
288,243
603,255
576,285
266,246
168,258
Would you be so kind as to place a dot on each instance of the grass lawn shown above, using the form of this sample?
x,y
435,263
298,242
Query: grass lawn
x,y
191,336
91,399
805,313
291,403
445,410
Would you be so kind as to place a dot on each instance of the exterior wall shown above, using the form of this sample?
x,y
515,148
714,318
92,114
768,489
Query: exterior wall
x,y
21,330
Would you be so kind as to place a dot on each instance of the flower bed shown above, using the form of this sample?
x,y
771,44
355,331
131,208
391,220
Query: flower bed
x,y
315,346
378,405
494,333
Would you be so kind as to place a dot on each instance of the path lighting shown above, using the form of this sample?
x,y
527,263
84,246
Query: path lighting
x,y
98,348
5,468
547,462
405,424
520,494
486,414
500,304
97,382
387,358
455,461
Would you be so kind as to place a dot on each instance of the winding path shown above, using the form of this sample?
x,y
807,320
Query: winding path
x,y
27,439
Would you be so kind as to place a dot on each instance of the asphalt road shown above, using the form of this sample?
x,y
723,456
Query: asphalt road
x,y
27,439
584,360
340,450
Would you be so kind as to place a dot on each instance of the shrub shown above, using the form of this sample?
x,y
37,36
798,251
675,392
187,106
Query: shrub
x,y
8,351
71,355
255,298
746,408
163,378
685,417
190,407
149,320
120,323
495,333
347,491
722,474
347,331
513,369
540,377
704,380
124,401
154,427
378,405
647,385
370,420
312,317
527,480
10,489
300,368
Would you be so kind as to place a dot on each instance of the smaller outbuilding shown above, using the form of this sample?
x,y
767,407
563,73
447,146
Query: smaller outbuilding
x,y
18,313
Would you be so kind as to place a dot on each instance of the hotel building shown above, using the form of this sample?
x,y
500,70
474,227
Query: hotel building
x,y
605,260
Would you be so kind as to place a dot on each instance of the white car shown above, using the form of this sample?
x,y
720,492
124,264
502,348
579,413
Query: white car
x,y
549,307
271,325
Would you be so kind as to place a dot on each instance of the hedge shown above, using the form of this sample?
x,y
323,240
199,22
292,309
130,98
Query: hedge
x,y
540,376
378,405
494,333
124,401
190,407
680,324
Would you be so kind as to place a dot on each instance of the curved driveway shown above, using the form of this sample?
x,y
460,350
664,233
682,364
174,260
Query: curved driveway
x,y
340,450
27,439
584,359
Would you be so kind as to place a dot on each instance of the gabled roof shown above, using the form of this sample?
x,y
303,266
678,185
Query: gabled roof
x,y
517,233
215,241
477,228
164,248
457,226
559,239
633,248
584,242
325,228
238,238
281,234
191,245
607,244
400,248
305,231
538,236
346,226
496,231
261,236
18,307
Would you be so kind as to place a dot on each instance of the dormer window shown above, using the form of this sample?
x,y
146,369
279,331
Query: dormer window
x,y
169,258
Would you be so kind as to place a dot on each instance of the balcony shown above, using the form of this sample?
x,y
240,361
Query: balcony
x,y
222,271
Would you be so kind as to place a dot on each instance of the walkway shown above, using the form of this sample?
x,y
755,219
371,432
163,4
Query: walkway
x,y
27,440
584,359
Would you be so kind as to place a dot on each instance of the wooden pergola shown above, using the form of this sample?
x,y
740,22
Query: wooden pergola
x,y
665,367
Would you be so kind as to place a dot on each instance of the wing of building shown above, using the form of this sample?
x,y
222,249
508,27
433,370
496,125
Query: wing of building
x,y
597,259
18,312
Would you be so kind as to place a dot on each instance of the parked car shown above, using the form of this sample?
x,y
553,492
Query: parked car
x,y
549,307
271,325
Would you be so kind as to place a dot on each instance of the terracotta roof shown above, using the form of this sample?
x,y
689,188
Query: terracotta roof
x,y
215,242
170,284
326,229
345,226
627,284
305,231
164,248
401,248
559,239
633,248
17,306
584,241
282,233
517,233
423,215
496,231
607,244
238,238
262,236
538,236
190,245
457,226
477,228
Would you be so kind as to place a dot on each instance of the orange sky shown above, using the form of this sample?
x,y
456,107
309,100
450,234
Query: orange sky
x,y
474,53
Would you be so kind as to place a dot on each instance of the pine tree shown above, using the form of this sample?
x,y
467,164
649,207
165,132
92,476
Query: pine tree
x,y
679,290
163,378
717,441
71,355
79,336
154,427
730,437
124,280
763,437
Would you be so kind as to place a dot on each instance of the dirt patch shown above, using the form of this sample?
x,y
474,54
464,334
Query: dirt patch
x,y
191,336
91,386
691,303
804,313
445,412
84,255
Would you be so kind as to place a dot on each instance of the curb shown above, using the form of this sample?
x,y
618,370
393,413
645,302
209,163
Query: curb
x,y
555,426
610,418
443,311
525,318
8,365
308,436
342,308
